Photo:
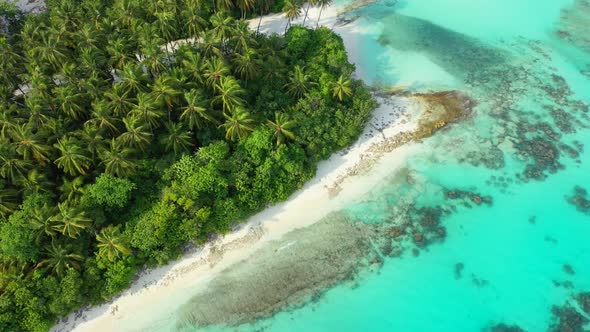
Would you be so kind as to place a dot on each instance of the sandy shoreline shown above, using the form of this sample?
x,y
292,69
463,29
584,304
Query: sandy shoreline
x,y
318,198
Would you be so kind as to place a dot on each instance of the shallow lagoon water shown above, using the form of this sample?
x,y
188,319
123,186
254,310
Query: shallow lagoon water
x,y
511,256
525,146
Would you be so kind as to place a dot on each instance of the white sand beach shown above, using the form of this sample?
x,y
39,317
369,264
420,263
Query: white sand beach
x,y
343,171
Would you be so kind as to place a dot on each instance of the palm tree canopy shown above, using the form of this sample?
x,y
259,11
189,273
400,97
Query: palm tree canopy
x,y
70,221
73,159
299,82
59,260
342,88
229,94
282,128
238,125
111,244
176,138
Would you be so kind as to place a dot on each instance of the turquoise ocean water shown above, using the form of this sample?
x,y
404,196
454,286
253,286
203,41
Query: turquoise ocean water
x,y
527,65
513,253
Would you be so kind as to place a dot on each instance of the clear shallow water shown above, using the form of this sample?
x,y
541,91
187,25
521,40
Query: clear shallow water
x,y
525,147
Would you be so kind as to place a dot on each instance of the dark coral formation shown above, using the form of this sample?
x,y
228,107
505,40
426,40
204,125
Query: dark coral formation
x,y
568,269
584,301
503,327
459,270
567,319
442,108
286,273
580,200
544,155
457,53
573,25
420,227
468,197
478,282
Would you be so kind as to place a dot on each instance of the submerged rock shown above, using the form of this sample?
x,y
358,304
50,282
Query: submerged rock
x,y
568,269
567,319
459,270
442,109
579,199
584,302
503,327
573,24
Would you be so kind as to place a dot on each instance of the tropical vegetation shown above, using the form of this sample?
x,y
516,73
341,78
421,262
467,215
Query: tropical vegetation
x,y
121,145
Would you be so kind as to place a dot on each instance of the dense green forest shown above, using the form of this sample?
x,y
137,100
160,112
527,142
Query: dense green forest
x,y
117,151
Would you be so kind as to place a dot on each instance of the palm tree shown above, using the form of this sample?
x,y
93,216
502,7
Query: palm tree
x,y
166,25
111,244
70,221
41,223
282,128
73,159
323,4
342,88
7,121
154,58
119,52
210,45
116,160
118,100
12,167
147,110
292,10
37,116
228,94
132,79
215,70
39,83
89,37
243,39
165,90
51,50
71,189
176,138
194,23
8,202
299,82
192,62
92,59
137,135
9,60
92,139
59,260
34,182
224,5
103,119
222,26
246,65
244,6
29,145
195,112
71,101
238,125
